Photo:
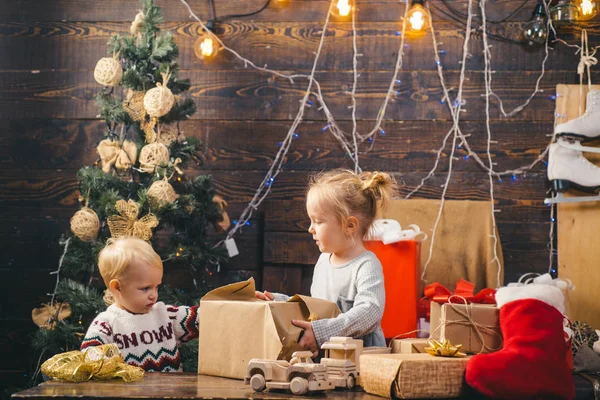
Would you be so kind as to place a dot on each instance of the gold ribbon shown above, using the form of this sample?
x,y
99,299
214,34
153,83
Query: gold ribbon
x,y
127,223
112,153
98,362
444,348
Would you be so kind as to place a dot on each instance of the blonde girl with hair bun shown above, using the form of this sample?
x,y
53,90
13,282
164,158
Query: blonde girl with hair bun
x,y
147,331
342,206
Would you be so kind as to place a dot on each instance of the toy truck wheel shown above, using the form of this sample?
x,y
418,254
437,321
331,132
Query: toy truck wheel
x,y
350,382
299,385
258,383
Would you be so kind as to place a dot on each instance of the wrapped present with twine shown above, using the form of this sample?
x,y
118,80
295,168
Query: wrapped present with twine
x,y
412,376
475,326
408,346
98,362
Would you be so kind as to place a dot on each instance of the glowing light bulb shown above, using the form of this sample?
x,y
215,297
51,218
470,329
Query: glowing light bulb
x,y
343,7
417,16
205,47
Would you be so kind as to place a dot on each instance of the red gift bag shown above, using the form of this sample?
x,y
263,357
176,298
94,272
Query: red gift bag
x,y
402,278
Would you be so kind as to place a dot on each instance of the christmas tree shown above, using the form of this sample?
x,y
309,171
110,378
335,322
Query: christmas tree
x,y
136,188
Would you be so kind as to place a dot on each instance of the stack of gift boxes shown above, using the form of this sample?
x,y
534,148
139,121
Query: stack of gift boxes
x,y
460,318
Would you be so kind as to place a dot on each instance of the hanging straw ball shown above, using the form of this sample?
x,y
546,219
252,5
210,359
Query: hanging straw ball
x,y
168,134
153,155
108,71
85,224
159,100
161,193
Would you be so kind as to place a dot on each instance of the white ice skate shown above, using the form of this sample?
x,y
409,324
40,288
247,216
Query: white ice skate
x,y
569,169
587,126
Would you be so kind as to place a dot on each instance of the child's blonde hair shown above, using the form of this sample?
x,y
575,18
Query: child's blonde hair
x,y
350,194
115,257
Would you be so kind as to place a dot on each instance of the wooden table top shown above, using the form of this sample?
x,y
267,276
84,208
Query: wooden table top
x,y
157,385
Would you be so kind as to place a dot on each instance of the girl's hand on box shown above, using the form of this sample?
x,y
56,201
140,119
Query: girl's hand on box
x,y
268,296
308,340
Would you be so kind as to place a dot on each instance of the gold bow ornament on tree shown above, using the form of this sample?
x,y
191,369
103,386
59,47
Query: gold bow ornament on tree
x,y
46,316
127,224
97,362
113,153
222,222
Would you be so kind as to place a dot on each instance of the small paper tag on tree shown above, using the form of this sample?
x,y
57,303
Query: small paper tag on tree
x,y
232,249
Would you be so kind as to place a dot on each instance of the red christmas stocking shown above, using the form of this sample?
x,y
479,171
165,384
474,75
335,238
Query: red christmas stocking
x,y
532,363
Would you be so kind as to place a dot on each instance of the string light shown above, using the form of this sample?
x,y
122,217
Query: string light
x,y
417,16
535,31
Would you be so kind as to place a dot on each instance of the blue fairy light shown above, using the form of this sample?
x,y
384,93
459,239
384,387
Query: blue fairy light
x,y
382,132
279,144
514,178
370,140
325,128
296,136
247,223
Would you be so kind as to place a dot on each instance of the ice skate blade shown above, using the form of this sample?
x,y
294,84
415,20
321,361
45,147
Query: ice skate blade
x,y
577,146
560,198
575,136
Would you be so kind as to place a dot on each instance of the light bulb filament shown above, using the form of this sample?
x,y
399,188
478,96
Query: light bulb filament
x,y
417,20
207,47
587,7
343,7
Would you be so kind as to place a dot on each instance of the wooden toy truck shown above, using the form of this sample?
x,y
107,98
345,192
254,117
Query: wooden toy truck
x,y
300,375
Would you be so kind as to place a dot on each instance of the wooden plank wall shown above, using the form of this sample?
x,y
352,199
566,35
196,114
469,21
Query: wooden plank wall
x,y
50,129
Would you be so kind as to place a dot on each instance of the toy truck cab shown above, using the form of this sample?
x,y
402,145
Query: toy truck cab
x,y
300,375
341,358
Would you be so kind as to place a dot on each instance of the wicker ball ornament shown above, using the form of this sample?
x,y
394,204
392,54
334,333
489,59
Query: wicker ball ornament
x,y
153,155
159,100
85,224
108,71
161,193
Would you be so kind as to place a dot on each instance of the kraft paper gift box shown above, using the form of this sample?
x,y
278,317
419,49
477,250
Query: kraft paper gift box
x,y
408,346
451,321
235,327
412,376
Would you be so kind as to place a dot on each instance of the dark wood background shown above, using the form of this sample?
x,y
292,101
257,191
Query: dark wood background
x,y
48,50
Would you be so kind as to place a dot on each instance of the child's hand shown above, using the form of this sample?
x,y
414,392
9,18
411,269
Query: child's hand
x,y
308,340
264,295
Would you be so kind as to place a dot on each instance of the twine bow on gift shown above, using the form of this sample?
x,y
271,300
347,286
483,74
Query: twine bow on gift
x,y
98,362
113,153
127,224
